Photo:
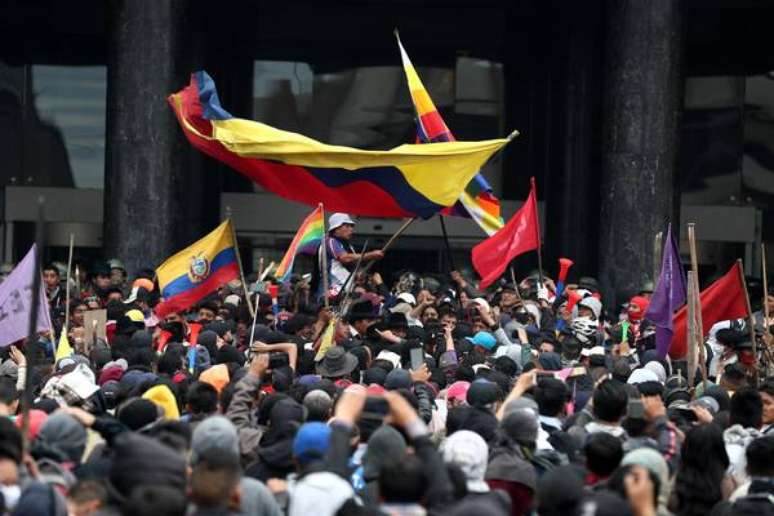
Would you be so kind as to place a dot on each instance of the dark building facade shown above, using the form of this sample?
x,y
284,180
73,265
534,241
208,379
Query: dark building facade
x,y
631,113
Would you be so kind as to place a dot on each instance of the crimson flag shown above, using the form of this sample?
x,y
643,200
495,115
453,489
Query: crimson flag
x,y
521,234
721,301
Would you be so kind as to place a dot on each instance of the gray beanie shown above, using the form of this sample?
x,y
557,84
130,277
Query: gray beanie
x,y
521,425
215,441
64,433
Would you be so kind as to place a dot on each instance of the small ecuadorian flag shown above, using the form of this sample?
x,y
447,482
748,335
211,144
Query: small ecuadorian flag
x,y
308,238
194,272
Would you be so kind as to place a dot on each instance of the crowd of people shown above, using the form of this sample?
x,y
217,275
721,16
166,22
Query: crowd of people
x,y
433,397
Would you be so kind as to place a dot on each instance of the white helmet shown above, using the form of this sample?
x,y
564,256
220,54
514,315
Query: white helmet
x,y
584,329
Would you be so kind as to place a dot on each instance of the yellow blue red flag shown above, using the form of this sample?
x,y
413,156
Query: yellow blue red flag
x,y
197,270
407,181
476,201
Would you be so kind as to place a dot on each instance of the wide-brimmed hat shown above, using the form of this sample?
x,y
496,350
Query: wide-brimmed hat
x,y
336,362
339,219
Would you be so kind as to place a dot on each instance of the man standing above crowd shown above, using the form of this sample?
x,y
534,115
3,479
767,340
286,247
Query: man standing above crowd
x,y
341,255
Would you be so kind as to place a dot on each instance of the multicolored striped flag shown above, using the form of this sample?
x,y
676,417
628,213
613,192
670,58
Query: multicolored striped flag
x,y
477,200
307,240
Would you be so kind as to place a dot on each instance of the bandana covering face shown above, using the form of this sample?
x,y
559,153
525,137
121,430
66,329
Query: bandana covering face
x,y
639,302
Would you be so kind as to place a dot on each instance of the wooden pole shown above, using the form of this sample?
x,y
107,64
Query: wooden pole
x,y
67,283
750,321
699,323
400,231
241,270
516,286
691,333
324,258
391,241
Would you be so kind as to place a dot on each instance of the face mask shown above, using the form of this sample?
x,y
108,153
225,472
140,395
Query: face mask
x,y
533,328
11,495
747,358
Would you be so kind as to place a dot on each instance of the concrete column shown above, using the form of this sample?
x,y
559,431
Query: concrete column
x,y
147,155
642,103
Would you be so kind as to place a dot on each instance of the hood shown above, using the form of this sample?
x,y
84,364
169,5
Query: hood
x,y
319,493
384,445
615,431
163,397
739,435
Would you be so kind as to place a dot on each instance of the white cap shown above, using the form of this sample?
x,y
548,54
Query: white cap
x,y
482,302
392,357
407,297
339,219
641,376
596,350
401,308
232,299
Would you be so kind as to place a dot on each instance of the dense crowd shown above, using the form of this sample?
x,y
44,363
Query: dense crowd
x,y
434,397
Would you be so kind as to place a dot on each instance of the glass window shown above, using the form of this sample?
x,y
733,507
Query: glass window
x,y
71,102
52,125
370,107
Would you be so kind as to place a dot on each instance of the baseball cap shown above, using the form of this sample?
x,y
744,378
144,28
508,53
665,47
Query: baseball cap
x,y
482,393
135,316
407,297
339,219
311,442
709,403
458,391
484,339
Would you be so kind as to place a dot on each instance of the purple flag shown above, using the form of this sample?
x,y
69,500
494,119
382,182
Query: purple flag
x,y
16,302
669,294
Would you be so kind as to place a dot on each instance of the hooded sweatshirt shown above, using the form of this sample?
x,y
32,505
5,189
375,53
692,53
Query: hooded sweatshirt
x,y
737,438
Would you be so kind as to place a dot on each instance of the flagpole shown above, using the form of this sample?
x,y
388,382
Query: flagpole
x,y
67,282
449,256
657,245
766,314
32,333
400,231
324,257
516,286
691,333
765,290
750,320
540,240
241,270
699,323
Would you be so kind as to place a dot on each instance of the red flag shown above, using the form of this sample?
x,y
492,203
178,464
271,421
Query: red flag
x,y
519,235
721,301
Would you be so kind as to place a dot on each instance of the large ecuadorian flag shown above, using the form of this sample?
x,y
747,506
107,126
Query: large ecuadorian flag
x,y
407,181
197,270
